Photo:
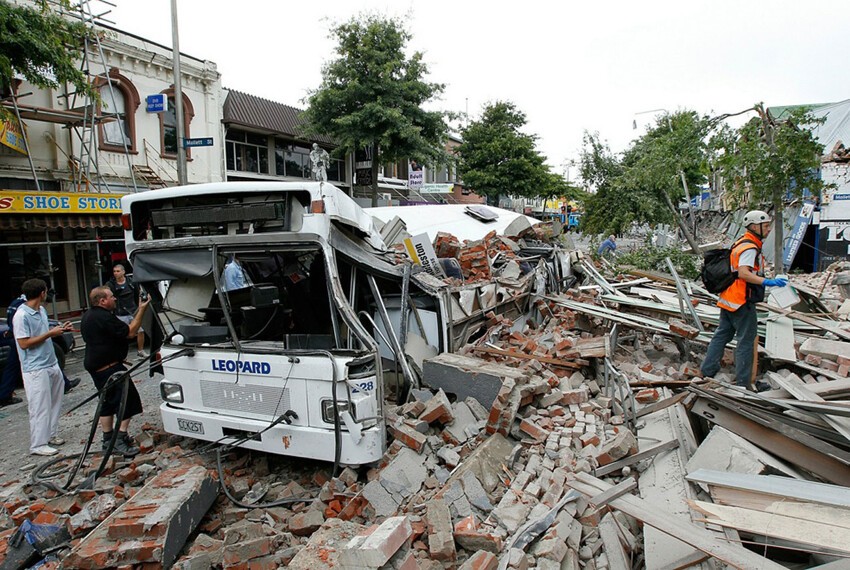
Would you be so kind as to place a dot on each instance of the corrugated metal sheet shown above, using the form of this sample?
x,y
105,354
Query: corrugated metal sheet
x,y
837,125
242,109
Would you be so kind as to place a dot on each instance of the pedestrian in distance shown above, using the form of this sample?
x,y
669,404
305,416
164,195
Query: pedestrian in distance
x,y
40,368
106,338
609,245
126,292
737,302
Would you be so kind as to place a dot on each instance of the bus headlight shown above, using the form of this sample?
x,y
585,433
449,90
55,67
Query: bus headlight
x,y
341,405
171,392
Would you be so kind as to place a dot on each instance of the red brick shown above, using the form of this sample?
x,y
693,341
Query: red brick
x,y
408,436
647,396
533,430
481,560
243,551
813,359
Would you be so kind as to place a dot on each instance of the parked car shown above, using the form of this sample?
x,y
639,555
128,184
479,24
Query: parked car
x,y
62,345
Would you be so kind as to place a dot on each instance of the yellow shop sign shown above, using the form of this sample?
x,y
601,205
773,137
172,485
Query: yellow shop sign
x,y
18,202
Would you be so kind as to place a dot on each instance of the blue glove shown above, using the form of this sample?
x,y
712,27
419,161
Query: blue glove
x,y
778,282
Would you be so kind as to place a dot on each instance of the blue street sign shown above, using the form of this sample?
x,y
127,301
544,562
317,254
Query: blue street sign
x,y
205,141
155,103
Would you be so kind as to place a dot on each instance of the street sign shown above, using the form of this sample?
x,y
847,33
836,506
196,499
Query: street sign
x,y
415,179
364,176
155,103
204,141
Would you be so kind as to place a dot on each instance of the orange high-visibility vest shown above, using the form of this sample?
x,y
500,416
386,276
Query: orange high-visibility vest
x,y
734,297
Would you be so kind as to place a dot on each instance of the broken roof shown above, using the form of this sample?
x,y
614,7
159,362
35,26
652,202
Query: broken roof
x,y
449,218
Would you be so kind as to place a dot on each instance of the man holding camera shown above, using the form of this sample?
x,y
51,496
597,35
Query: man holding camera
x,y
106,338
39,367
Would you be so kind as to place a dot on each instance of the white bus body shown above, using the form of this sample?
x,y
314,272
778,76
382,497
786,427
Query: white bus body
x,y
295,361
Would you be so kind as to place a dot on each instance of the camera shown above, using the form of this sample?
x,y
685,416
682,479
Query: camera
x,y
143,295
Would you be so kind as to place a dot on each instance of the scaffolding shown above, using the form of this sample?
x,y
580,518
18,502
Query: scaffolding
x,y
81,117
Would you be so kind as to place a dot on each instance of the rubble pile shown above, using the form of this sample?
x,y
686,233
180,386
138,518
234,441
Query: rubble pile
x,y
579,435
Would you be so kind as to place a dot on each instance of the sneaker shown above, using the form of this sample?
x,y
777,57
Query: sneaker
x,y
142,354
72,383
121,446
10,401
56,441
44,450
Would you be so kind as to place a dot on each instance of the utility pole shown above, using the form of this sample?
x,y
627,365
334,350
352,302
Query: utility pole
x,y
178,97
776,191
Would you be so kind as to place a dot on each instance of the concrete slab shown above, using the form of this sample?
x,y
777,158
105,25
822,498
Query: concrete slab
x,y
466,376
153,525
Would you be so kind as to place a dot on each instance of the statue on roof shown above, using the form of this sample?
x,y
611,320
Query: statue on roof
x,y
320,161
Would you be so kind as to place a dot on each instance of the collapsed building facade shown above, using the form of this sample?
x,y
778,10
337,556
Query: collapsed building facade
x,y
533,409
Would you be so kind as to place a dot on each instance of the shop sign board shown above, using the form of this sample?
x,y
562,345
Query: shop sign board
x,y
436,188
801,224
833,242
415,179
21,202
12,136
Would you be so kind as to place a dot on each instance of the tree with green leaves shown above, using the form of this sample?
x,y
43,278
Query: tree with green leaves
x,y
40,45
497,159
372,93
651,178
767,157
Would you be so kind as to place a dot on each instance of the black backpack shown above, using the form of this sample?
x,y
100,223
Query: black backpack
x,y
716,273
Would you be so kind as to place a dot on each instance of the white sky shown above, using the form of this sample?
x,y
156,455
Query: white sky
x,y
570,66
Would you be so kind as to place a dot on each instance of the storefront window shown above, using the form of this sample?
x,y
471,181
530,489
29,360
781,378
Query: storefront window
x,y
29,262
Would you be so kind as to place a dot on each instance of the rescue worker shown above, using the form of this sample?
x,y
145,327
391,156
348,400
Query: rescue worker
x,y
738,302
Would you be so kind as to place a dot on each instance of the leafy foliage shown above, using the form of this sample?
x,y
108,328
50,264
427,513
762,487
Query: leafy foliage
x,y
372,94
653,258
639,186
497,158
41,45
754,169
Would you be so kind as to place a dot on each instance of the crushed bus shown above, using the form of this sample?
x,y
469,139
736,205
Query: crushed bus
x,y
302,320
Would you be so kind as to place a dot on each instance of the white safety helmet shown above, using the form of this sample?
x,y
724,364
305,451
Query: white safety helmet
x,y
755,217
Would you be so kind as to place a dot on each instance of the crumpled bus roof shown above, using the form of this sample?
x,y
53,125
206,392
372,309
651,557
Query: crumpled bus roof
x,y
449,218
338,206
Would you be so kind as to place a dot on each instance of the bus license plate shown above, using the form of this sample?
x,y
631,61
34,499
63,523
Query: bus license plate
x,y
190,426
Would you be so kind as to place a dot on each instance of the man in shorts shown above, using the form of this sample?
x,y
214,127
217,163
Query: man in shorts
x,y
106,339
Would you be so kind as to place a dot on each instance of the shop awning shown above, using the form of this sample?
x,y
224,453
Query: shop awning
x,y
45,221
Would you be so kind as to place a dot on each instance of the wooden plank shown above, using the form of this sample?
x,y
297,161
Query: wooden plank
x,y
617,559
781,487
661,404
810,532
637,457
797,388
618,490
837,516
826,390
523,356
688,561
689,533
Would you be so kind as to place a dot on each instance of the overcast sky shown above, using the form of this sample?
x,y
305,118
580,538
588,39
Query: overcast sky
x,y
569,66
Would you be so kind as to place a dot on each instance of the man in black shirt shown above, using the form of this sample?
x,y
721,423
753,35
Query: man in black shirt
x,y
106,338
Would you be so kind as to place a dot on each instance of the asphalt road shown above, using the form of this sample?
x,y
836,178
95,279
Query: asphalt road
x,y
15,460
